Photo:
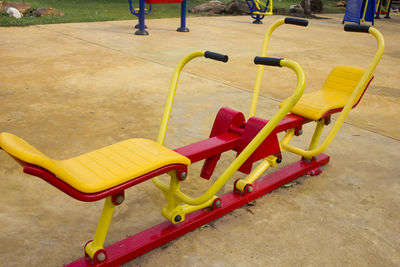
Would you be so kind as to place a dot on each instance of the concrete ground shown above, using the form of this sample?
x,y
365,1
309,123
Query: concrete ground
x,y
72,88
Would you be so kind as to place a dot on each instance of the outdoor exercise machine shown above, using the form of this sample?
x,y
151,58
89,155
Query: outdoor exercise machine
x,y
360,11
379,5
259,8
106,173
141,12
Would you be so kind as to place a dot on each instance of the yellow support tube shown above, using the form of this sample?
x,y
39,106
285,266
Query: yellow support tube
x,y
258,139
102,228
260,70
168,107
350,103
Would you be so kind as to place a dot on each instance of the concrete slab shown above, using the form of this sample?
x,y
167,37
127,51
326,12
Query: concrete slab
x,y
72,88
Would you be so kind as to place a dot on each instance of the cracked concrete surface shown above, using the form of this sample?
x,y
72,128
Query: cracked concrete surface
x,y
72,88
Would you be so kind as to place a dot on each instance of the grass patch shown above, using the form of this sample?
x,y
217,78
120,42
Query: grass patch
x,y
106,10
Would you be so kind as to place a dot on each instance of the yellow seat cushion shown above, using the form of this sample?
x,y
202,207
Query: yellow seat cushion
x,y
100,169
334,94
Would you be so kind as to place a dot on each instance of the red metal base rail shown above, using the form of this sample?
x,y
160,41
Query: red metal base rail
x,y
147,240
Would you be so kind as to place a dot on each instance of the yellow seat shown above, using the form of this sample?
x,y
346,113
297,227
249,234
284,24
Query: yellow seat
x,y
100,169
333,95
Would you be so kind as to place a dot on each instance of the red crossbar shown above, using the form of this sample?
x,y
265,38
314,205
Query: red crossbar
x,y
210,147
147,240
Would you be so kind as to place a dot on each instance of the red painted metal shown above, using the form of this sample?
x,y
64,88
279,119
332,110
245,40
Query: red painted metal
x,y
227,120
147,240
210,147
270,146
88,197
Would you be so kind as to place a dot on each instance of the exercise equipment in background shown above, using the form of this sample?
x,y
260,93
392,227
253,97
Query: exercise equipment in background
x,y
141,12
259,8
359,11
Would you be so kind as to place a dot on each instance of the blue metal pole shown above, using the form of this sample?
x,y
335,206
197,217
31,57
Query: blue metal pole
x,y
142,26
183,28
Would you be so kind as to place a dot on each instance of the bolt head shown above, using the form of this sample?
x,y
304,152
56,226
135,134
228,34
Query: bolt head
x,y
177,218
249,189
183,175
217,203
101,256
119,199
300,132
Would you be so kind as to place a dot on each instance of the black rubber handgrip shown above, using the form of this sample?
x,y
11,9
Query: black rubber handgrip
x,y
298,22
356,28
269,61
216,56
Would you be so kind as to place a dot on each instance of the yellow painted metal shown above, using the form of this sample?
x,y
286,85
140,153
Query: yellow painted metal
x,y
358,91
252,146
259,3
168,107
286,139
102,228
317,134
267,162
260,68
171,94
362,19
334,94
189,208
100,169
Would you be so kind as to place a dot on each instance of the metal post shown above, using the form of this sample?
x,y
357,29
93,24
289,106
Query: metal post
x,y
142,26
183,28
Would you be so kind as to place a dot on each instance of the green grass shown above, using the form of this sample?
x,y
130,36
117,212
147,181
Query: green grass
x,y
105,10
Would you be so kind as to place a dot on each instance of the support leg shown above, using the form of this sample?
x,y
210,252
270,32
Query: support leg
x,y
183,28
142,26
94,249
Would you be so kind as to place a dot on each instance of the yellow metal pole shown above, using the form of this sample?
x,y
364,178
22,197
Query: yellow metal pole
x,y
168,107
260,68
102,228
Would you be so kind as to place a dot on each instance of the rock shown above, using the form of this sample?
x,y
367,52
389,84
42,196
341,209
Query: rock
x,y
212,7
13,12
237,7
341,4
47,11
24,8
316,6
296,9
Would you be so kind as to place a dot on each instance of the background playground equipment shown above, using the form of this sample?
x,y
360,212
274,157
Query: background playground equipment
x,y
254,140
360,11
387,9
259,8
141,12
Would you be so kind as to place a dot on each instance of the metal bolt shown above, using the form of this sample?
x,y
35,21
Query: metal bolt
x,y
300,132
101,256
177,218
327,121
249,189
183,175
278,160
119,199
217,203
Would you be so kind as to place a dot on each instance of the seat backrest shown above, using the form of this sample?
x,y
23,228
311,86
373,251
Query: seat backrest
x,y
343,79
22,150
